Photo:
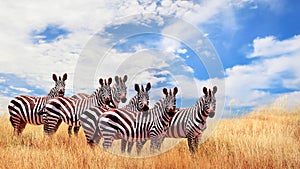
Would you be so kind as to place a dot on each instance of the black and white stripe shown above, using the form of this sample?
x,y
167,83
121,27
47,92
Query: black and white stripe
x,y
90,117
140,126
191,122
139,102
69,109
28,109
119,91
80,96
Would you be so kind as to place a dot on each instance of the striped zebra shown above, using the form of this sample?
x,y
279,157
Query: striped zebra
x,y
27,109
191,122
118,91
89,118
69,109
140,102
138,126
80,96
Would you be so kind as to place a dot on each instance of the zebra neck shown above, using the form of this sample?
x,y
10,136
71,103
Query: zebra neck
x,y
201,113
133,104
53,93
160,114
116,100
92,100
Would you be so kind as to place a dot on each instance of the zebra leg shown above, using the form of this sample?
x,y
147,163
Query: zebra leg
x,y
57,125
190,138
107,143
15,123
21,127
139,146
153,145
123,145
95,138
76,130
130,145
160,143
70,130
196,143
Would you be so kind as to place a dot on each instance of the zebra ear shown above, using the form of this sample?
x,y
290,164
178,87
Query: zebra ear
x,y
137,88
165,91
175,91
148,87
205,91
125,78
109,81
142,89
54,77
65,76
101,81
214,89
117,79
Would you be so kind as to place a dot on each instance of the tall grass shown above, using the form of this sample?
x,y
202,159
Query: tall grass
x,y
266,138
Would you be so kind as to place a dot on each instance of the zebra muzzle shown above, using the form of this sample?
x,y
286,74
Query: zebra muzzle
x,y
145,108
211,114
61,92
123,100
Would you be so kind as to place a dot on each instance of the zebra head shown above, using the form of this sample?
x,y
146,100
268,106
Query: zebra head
x,y
120,89
60,84
170,101
105,91
210,101
143,96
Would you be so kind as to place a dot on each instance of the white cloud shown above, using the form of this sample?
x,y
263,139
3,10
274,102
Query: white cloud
x,y
21,89
37,62
270,46
2,80
252,84
287,101
181,51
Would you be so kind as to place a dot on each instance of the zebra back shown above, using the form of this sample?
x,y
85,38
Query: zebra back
x,y
90,117
80,96
140,126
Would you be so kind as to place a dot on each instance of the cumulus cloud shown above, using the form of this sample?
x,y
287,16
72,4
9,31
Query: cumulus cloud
x,y
252,84
269,46
36,62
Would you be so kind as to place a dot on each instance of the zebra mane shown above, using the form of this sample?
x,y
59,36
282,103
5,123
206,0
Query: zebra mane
x,y
159,103
52,93
132,101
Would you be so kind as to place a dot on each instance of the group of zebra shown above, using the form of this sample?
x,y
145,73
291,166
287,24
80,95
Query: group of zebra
x,y
100,116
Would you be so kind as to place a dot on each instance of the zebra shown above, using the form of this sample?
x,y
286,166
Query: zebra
x,y
27,109
191,122
80,96
89,118
138,126
69,109
118,91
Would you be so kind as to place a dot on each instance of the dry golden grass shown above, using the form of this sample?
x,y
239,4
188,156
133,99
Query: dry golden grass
x,y
267,138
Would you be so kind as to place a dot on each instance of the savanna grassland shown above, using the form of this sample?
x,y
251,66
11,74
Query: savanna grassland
x,y
266,138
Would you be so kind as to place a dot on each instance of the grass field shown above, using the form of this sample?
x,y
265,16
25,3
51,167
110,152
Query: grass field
x,y
267,138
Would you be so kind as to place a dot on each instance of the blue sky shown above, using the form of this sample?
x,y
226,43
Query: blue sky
x,y
257,42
